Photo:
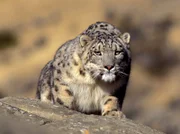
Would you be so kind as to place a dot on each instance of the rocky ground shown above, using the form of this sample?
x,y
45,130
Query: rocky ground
x,y
20,115
31,33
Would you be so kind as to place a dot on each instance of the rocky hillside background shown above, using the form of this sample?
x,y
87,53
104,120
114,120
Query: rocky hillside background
x,y
31,32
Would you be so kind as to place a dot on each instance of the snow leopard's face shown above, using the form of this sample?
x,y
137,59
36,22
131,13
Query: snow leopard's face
x,y
108,57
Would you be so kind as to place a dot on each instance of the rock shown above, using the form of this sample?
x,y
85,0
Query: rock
x,y
23,115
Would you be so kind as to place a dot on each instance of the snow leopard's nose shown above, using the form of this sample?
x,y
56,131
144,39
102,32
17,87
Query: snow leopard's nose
x,y
109,67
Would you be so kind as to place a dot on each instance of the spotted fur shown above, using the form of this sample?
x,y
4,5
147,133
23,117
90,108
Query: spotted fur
x,y
90,72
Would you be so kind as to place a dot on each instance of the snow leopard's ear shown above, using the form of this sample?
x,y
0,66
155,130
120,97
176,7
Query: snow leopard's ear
x,y
126,38
84,39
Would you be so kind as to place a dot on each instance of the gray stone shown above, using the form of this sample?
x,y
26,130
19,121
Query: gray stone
x,y
22,115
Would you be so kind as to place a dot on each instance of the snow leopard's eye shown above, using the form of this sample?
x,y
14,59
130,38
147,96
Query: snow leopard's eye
x,y
98,53
118,52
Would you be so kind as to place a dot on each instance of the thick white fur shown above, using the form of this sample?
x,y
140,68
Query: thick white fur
x,y
88,92
90,97
108,77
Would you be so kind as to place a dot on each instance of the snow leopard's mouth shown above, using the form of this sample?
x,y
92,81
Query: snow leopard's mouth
x,y
105,75
108,77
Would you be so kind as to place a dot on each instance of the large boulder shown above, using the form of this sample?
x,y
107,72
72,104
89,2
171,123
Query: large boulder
x,y
23,115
